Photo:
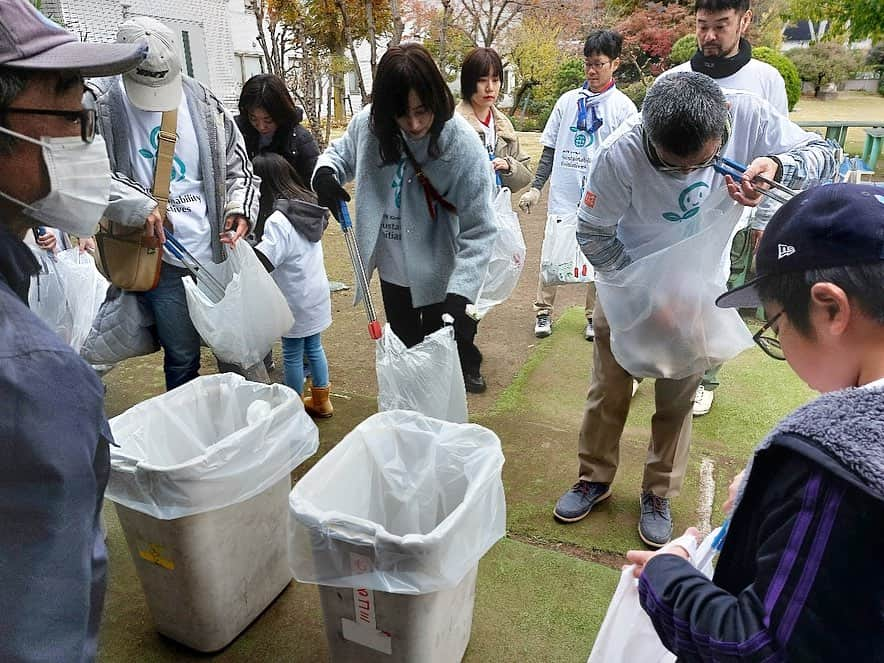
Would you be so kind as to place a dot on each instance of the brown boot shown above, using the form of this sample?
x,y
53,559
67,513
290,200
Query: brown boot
x,y
318,403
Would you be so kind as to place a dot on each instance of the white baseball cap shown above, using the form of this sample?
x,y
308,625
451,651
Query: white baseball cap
x,y
155,83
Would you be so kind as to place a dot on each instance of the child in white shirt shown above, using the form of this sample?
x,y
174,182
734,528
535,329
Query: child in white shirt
x,y
289,231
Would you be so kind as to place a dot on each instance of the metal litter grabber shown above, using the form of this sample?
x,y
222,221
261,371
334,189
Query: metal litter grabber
x,y
213,285
736,170
374,327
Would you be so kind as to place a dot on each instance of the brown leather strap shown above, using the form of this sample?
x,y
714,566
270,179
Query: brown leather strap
x,y
162,176
430,193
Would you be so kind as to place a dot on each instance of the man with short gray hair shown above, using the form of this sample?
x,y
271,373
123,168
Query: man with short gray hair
x,y
54,455
649,179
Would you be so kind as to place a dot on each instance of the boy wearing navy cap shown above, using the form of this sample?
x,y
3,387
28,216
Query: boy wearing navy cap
x,y
794,581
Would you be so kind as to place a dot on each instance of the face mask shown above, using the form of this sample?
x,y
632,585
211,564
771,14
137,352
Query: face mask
x,y
79,184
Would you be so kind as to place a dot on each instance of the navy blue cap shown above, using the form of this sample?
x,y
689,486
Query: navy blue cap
x,y
834,225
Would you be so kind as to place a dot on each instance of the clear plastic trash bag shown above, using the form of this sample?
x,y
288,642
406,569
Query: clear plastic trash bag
x,y
46,298
422,499
242,327
627,634
561,260
661,308
507,257
215,441
426,377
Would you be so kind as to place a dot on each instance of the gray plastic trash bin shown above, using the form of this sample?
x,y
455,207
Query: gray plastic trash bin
x,y
200,481
207,577
391,524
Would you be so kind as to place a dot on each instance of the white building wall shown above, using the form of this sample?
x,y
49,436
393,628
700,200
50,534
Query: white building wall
x,y
204,37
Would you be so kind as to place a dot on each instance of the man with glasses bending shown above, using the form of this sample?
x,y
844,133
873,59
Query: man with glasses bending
x,y
54,458
643,185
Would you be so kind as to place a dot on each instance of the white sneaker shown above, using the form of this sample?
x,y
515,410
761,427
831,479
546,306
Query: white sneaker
x,y
703,401
543,326
634,386
589,332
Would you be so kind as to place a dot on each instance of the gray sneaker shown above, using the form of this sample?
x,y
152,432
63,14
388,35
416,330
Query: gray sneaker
x,y
542,325
578,501
655,524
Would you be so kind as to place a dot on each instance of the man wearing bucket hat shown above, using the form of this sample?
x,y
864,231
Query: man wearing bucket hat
x,y
53,433
791,582
213,190
644,185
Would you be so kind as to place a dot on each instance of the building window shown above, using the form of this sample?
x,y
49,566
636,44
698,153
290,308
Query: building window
x,y
188,60
250,65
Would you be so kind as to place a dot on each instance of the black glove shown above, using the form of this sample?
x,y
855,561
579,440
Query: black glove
x,y
329,191
456,306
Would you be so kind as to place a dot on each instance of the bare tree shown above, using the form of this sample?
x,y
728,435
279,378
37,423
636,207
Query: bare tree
x,y
272,36
348,39
443,29
371,36
398,25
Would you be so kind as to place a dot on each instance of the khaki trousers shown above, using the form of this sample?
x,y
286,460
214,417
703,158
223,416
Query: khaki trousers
x,y
605,412
546,297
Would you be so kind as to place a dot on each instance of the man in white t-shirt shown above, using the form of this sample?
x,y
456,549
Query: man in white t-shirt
x,y
649,178
726,57
581,120
213,192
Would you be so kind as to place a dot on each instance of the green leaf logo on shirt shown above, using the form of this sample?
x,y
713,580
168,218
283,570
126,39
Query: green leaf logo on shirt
x,y
178,167
689,201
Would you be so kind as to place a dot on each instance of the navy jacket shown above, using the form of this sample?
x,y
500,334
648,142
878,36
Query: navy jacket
x,y
54,464
799,577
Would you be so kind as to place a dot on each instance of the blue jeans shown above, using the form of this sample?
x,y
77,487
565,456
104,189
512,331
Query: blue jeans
x,y
293,351
178,337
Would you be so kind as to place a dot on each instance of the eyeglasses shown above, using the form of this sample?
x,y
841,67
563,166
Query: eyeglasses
x,y
596,66
770,343
711,161
85,117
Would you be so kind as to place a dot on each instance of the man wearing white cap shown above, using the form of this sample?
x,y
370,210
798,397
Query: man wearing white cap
x,y
213,193
54,458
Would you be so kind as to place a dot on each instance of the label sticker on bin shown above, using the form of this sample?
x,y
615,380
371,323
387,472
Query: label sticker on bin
x,y
363,630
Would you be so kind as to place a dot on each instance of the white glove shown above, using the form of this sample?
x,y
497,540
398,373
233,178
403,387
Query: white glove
x,y
529,199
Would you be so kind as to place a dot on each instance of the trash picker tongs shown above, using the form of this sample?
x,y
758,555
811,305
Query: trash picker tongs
x,y
177,249
374,327
736,170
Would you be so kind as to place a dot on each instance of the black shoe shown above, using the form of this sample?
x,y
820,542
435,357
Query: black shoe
x,y
655,524
578,501
475,384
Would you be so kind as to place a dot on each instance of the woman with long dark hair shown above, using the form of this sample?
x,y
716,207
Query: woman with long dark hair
x,y
270,122
423,200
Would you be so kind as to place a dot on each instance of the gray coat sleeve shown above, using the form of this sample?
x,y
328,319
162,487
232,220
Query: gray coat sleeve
x,y
129,202
243,186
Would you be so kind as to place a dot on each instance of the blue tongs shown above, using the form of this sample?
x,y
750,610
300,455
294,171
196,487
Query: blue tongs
x,y
736,170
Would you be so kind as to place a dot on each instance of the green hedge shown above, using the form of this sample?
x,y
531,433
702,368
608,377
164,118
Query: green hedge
x,y
683,50
787,70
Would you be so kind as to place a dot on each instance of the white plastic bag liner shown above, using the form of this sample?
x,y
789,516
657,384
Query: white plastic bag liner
x,y
252,315
215,441
421,499
627,634
47,300
507,257
426,377
561,260
68,294
661,308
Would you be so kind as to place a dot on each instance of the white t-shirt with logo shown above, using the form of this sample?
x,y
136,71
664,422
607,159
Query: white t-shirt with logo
x,y
755,76
187,199
389,254
648,207
575,148
300,274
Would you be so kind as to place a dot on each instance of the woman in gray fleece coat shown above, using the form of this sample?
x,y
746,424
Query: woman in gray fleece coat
x,y
423,199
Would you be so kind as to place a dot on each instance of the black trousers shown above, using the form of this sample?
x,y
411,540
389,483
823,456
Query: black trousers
x,y
411,324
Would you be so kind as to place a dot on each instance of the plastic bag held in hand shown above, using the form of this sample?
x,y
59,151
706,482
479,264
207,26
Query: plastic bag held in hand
x,y
507,257
329,191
